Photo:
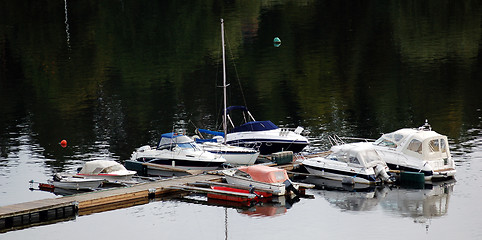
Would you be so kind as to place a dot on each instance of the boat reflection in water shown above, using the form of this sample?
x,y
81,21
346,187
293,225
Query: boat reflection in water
x,y
268,207
350,197
420,204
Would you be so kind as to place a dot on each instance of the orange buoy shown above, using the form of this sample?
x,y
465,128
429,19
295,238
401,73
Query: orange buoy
x,y
63,143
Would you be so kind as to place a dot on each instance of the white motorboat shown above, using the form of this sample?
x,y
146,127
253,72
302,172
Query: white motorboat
x,y
262,135
234,155
265,134
179,151
263,177
108,170
417,150
349,163
74,182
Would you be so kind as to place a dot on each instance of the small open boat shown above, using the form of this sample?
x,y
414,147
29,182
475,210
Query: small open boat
x,y
264,177
73,182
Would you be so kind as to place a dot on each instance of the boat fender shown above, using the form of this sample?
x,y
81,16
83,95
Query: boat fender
x,y
290,188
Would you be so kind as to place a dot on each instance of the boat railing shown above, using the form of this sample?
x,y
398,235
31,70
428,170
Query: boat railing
x,y
336,140
298,130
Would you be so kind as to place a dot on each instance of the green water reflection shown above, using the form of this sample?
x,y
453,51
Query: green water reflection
x,y
119,73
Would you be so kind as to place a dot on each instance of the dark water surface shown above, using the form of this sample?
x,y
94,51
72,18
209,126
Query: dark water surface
x,y
110,76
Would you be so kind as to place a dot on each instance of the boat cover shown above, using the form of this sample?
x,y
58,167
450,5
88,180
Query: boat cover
x,y
200,140
101,166
266,174
255,126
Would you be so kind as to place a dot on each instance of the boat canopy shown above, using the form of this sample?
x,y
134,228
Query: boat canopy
x,y
255,126
215,133
266,174
169,139
356,154
101,166
423,144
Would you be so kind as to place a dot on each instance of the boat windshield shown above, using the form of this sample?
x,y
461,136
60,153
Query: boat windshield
x,y
187,146
382,141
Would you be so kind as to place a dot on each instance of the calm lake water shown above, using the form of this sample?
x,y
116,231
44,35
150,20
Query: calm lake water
x,y
110,76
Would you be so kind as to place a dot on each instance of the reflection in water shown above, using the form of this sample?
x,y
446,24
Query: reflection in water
x,y
269,207
67,27
419,204
358,197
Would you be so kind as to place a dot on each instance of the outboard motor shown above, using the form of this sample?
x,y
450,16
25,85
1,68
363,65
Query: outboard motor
x,y
290,188
382,173
57,177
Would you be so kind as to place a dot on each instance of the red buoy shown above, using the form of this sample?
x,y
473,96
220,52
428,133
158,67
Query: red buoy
x,y
63,143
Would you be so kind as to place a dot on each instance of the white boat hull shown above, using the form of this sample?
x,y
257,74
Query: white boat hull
x,y
233,154
110,177
278,189
342,173
185,159
269,141
77,183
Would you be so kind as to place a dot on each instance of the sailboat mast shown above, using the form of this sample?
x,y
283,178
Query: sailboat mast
x,y
225,126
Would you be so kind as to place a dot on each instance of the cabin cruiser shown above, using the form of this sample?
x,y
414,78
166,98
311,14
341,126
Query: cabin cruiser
x,y
417,150
264,135
108,170
178,151
349,163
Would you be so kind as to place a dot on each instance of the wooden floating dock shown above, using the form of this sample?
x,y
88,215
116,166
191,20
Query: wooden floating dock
x,y
35,212
39,212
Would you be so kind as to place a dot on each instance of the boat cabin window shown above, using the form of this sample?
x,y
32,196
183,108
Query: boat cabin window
x,y
443,146
415,146
385,143
187,145
398,137
434,145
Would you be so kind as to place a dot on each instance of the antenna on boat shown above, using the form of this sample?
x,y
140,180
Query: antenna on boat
x,y
426,126
225,127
